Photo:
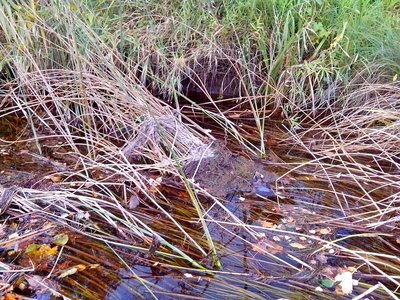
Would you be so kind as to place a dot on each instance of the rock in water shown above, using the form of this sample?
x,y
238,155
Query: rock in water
x,y
222,174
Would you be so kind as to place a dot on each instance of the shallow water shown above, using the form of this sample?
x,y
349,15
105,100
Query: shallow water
x,y
279,250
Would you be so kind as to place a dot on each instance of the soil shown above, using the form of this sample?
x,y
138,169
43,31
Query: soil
x,y
225,173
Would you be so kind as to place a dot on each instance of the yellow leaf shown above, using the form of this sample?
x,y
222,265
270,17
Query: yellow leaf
x,y
298,245
267,224
73,270
32,248
325,231
41,251
80,267
60,239
56,178
68,272
93,266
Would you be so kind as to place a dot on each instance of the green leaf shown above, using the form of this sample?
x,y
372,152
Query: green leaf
x,y
328,283
32,248
60,239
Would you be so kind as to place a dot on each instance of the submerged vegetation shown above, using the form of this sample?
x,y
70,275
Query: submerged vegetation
x,y
140,142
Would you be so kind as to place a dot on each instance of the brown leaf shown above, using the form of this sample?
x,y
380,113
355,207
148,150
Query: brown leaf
x,y
10,296
265,245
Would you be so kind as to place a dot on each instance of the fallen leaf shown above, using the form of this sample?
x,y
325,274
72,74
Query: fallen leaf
x,y
41,256
265,245
328,283
68,272
276,238
352,269
345,280
134,201
325,230
72,271
60,239
93,266
298,245
80,267
13,235
267,224
32,248
55,178
10,296
42,251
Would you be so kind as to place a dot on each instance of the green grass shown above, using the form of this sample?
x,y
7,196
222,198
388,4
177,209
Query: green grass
x,y
304,50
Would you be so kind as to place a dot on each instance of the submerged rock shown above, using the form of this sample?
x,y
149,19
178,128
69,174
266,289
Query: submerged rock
x,y
227,173
261,187
223,173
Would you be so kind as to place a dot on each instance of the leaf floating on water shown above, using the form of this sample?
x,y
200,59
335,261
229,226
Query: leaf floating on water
x,y
39,255
267,224
13,235
265,245
345,280
328,283
72,271
32,248
46,250
325,231
60,239
298,245
93,266
10,296
68,272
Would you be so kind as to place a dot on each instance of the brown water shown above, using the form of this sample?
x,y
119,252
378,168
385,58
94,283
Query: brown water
x,y
290,231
